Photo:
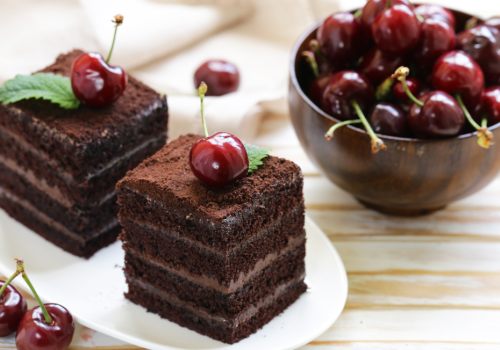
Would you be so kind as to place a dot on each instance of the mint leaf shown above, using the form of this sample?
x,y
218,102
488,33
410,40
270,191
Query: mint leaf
x,y
255,156
47,86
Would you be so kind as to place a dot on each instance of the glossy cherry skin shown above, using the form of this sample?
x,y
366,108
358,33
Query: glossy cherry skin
x,y
440,117
396,31
221,77
373,7
400,93
437,37
437,12
318,87
343,88
12,309
378,66
94,82
340,39
387,119
34,333
456,72
482,43
491,105
493,22
219,160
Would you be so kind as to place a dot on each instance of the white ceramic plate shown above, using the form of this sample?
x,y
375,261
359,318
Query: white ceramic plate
x,y
93,291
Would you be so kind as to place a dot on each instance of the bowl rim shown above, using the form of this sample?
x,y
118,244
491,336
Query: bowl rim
x,y
293,77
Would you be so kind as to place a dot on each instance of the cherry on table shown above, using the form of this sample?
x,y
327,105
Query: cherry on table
x,y
218,160
388,119
437,12
396,30
437,37
456,72
34,333
222,77
482,43
13,306
340,39
413,85
94,81
377,66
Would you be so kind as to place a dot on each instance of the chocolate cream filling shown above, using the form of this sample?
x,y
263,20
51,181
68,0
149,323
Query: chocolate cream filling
x,y
243,316
51,222
293,243
53,191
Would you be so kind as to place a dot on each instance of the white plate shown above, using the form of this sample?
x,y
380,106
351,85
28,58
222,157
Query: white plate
x,y
93,291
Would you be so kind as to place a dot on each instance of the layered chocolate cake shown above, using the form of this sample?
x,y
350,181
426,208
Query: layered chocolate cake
x,y
59,167
221,262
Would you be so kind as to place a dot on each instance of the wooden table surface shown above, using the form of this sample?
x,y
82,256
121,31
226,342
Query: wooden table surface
x,y
431,282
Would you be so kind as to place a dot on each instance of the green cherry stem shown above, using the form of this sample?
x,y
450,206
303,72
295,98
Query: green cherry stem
x,y
312,62
202,90
329,133
485,136
20,269
383,91
314,44
388,4
484,123
377,143
358,13
14,275
118,22
401,74
419,18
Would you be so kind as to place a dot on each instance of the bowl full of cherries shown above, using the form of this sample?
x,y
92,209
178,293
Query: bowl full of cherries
x,y
399,104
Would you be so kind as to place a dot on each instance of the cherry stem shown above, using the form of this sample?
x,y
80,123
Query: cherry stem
x,y
118,20
8,282
315,46
419,18
466,112
388,4
329,133
202,90
484,124
384,89
358,13
409,93
312,62
377,144
20,269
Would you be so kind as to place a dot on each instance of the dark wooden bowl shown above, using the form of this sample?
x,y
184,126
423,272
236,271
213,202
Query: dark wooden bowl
x,y
412,177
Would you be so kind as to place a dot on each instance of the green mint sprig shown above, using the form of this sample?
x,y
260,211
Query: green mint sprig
x,y
255,156
48,86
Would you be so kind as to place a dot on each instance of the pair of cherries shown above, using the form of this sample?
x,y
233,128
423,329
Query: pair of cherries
x,y
47,326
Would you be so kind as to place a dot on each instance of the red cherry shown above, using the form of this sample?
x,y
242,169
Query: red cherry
x,y
340,39
440,116
437,37
222,77
387,119
343,88
373,7
96,83
318,87
396,30
219,160
437,12
377,66
482,43
491,104
12,309
456,72
400,93
34,333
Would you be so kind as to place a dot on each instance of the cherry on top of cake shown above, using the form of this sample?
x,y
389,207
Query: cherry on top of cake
x,y
85,124
167,177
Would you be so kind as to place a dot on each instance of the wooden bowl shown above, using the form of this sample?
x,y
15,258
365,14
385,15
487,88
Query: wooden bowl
x,y
411,177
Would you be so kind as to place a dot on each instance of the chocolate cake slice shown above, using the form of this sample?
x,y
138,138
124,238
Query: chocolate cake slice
x,y
221,262
59,167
